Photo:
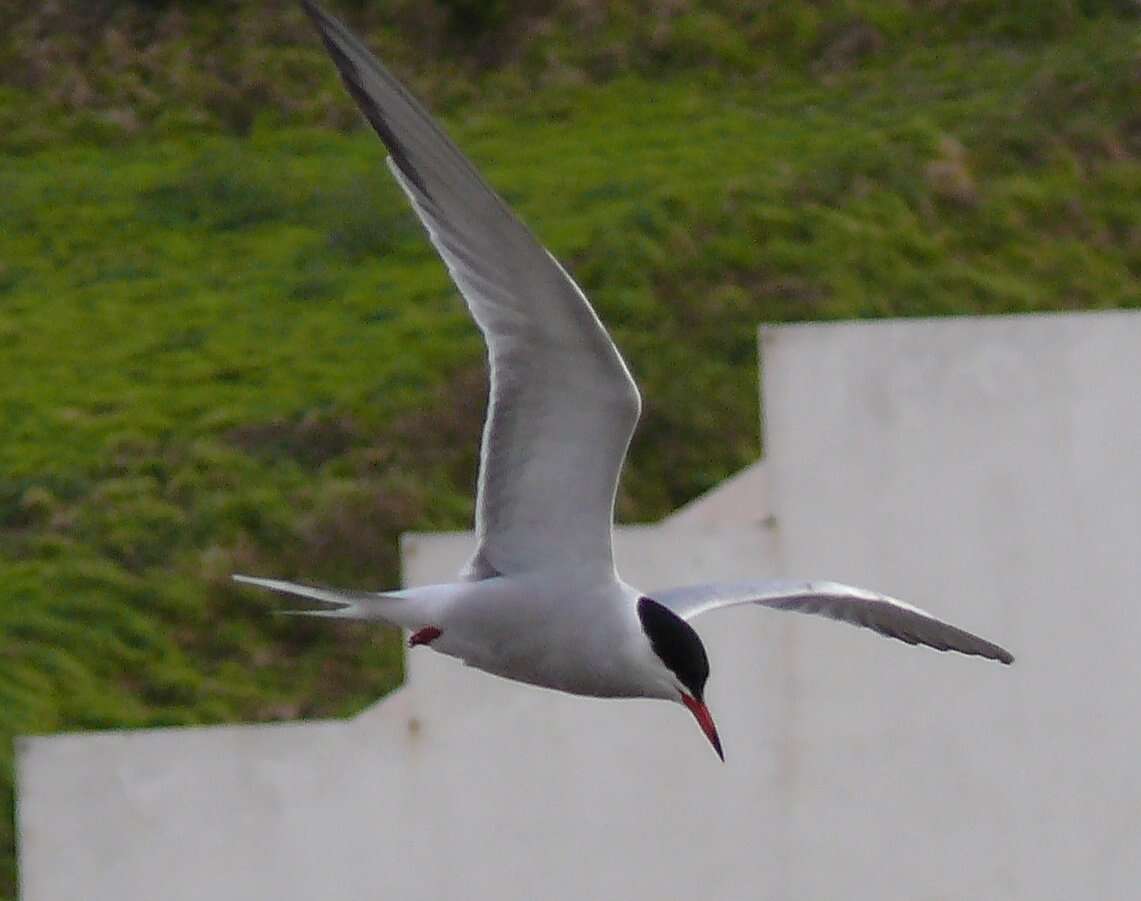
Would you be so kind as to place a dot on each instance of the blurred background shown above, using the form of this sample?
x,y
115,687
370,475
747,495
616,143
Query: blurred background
x,y
226,345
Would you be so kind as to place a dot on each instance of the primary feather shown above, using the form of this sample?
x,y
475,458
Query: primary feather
x,y
563,405
857,606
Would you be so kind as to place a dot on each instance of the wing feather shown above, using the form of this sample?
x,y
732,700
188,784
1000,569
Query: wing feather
x,y
857,606
563,405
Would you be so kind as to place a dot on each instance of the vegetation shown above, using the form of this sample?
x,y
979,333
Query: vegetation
x,y
226,345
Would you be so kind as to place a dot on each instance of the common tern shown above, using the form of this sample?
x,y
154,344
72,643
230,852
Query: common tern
x,y
541,601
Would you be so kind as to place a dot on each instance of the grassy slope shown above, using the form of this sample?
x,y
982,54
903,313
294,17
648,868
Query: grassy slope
x,y
231,353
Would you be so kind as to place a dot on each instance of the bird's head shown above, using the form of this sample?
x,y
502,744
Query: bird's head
x,y
680,652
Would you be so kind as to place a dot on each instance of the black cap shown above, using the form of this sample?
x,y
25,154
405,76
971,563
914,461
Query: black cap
x,y
675,642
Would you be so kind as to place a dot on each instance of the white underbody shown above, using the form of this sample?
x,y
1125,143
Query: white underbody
x,y
554,630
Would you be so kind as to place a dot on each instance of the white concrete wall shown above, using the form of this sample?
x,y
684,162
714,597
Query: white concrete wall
x,y
987,469
990,468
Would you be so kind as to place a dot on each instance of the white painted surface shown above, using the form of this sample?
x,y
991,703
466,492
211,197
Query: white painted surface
x,y
991,468
987,469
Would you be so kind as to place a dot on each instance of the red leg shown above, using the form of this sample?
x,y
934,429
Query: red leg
x,y
424,636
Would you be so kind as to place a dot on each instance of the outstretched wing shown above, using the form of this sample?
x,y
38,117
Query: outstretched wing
x,y
841,602
563,405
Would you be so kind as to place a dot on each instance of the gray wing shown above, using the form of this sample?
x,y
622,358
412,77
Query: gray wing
x,y
563,405
841,602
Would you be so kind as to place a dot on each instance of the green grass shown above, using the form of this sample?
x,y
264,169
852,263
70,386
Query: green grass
x,y
232,352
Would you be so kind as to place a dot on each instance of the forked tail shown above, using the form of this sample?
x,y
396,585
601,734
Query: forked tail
x,y
396,608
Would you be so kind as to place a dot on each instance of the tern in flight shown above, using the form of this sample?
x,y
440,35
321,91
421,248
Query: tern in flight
x,y
540,601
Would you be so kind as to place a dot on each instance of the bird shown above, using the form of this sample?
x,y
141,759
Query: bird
x,y
540,601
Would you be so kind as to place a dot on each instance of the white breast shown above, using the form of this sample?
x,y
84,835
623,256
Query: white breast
x,y
558,633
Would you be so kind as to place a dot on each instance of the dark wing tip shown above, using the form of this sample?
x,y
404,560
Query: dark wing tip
x,y
320,18
967,643
987,651
329,28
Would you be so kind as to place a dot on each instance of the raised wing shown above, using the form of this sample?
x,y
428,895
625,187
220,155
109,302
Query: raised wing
x,y
563,405
841,602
